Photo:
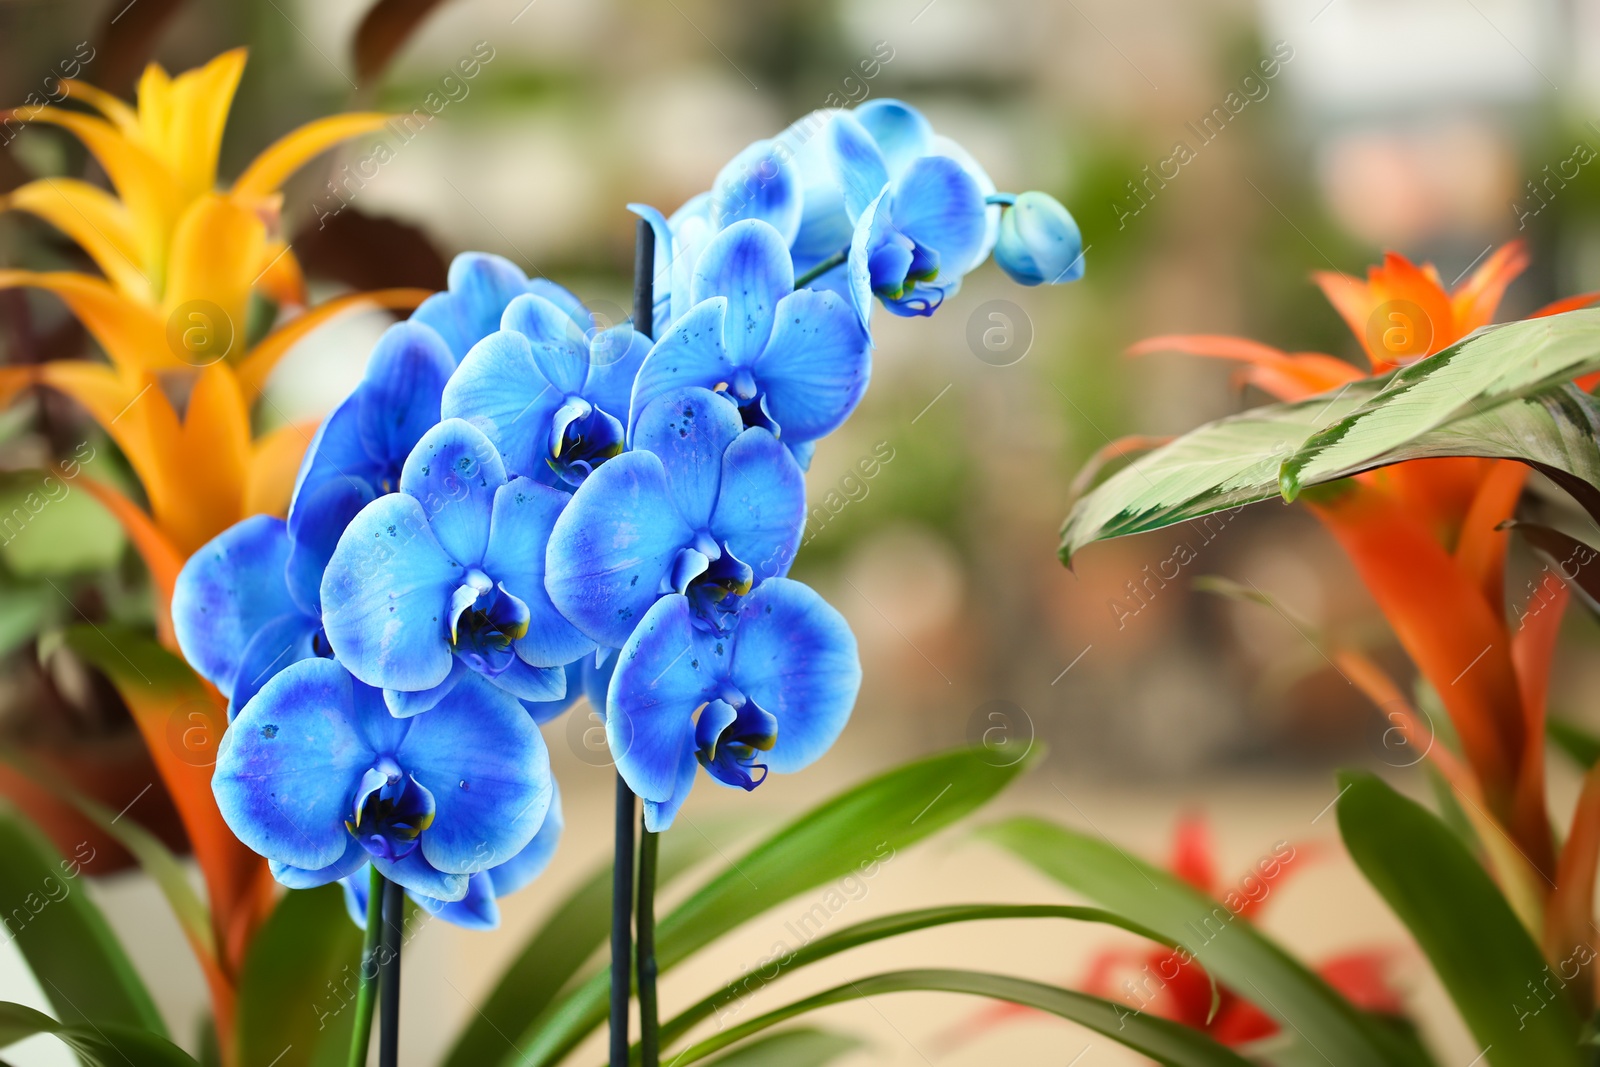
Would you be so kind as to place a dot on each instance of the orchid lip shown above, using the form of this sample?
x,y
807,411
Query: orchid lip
x,y
390,811
486,621
727,739
582,437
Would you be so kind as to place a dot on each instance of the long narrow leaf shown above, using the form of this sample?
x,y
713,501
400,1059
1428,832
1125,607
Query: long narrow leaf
x,y
97,1045
1227,946
1581,746
865,825
893,926
1164,1041
555,953
299,979
154,856
63,936
1482,954
803,1046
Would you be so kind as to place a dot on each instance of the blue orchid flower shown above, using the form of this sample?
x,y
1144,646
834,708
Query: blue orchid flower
x,y
480,287
248,603
445,579
917,208
1039,241
770,693
479,908
319,778
701,506
796,362
758,183
548,390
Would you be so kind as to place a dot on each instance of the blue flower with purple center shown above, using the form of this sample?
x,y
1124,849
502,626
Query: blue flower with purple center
x,y
445,579
316,775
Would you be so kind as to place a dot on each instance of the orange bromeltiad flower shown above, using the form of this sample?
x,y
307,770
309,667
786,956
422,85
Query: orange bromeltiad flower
x,y
180,262
1425,537
1173,986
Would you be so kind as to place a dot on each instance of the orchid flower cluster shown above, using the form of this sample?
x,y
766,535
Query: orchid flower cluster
x,y
519,505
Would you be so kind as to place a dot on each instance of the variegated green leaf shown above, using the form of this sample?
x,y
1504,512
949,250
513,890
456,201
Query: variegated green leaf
x,y
1236,461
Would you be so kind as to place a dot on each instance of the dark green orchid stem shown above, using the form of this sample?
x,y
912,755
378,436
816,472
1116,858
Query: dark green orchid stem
x,y
367,975
394,917
644,260
621,923
822,268
645,930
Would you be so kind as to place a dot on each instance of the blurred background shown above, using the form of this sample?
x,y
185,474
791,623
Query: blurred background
x,y
1438,128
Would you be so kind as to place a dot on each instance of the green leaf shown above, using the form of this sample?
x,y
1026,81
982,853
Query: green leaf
x,y
1467,379
299,976
131,655
1478,948
1247,458
69,946
50,528
154,857
803,1046
893,926
1164,1041
1234,951
23,611
856,831
98,1044
1224,464
556,951
1578,743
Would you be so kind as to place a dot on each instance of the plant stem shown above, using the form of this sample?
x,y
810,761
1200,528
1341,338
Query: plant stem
x,y
367,975
644,262
394,905
621,928
822,268
645,924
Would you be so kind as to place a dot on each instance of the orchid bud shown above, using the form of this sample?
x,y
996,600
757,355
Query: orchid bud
x,y
1039,241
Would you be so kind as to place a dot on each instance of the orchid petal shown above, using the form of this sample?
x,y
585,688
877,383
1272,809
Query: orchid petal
x,y
900,130
795,656
481,285
384,596
859,165
758,183
665,671
816,368
489,772
761,510
749,264
454,473
612,546
500,390
227,592
689,429
519,536
691,353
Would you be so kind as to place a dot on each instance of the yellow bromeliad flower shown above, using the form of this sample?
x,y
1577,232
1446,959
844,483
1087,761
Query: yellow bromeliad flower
x,y
179,261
